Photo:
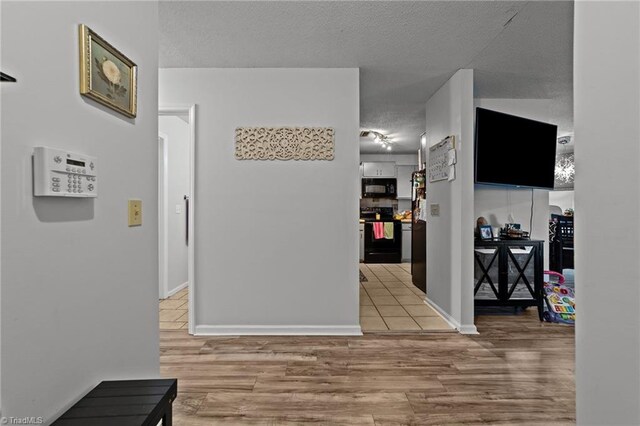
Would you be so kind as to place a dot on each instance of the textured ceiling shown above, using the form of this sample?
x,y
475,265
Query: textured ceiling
x,y
405,50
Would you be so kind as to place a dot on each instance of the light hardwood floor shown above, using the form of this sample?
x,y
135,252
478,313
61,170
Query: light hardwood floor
x,y
517,371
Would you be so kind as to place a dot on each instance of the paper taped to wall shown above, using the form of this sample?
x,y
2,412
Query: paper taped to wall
x,y
442,160
452,173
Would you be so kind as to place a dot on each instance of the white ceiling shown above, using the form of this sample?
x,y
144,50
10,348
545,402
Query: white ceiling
x,y
405,50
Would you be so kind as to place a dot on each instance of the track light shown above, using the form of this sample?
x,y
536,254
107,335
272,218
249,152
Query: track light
x,y
379,138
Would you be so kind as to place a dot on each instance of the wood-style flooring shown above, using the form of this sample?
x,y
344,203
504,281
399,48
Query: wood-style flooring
x,y
517,371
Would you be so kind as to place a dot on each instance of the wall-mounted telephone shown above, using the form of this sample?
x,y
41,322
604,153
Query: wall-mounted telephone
x,y
58,173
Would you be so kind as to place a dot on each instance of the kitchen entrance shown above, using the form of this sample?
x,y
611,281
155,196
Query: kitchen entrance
x,y
390,302
393,247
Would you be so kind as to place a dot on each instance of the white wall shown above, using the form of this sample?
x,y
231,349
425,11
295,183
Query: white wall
x,y
1,222
450,235
607,199
562,199
502,205
276,241
177,133
79,288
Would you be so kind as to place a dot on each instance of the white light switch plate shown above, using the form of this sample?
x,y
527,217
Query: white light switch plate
x,y
178,209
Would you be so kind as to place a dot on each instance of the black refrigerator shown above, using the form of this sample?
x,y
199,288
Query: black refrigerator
x,y
419,230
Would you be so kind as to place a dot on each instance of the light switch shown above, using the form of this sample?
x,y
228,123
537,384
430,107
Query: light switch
x,y
178,209
135,212
435,209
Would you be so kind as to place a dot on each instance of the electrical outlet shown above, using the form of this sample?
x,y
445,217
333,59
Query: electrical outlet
x,y
135,212
435,209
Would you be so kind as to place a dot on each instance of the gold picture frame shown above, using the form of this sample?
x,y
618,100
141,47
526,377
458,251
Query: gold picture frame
x,y
106,75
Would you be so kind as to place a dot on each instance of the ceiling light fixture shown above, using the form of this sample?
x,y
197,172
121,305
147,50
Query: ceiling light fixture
x,y
378,138
565,170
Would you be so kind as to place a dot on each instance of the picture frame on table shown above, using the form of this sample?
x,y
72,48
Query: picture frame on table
x,y
106,75
485,232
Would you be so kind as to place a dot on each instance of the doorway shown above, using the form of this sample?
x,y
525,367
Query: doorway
x,y
176,141
393,259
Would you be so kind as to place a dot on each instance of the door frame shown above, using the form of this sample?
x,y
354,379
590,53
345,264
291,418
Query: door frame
x,y
190,111
163,213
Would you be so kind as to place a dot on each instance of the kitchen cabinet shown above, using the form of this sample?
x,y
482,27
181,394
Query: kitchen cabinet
x,y
379,169
362,242
404,180
406,242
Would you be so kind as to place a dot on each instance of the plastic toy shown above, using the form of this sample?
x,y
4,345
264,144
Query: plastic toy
x,y
560,306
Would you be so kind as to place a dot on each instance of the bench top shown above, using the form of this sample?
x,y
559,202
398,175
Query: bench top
x,y
122,402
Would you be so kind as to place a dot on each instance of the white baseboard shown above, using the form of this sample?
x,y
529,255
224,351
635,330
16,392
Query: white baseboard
x,y
462,329
177,289
468,329
278,330
444,314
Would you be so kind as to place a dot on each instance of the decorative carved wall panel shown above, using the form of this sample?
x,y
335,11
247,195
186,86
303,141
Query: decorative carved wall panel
x,y
284,143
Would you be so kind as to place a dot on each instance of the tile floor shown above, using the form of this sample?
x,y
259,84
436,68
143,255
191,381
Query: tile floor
x,y
389,302
173,311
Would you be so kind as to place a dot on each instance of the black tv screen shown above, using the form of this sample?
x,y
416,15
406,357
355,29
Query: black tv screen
x,y
514,151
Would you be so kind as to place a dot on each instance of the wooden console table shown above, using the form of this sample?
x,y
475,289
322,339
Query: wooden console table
x,y
509,273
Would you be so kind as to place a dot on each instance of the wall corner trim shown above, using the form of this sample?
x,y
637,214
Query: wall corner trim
x,y
278,330
468,329
177,289
445,316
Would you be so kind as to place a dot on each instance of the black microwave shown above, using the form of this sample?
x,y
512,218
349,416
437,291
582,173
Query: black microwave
x,y
379,188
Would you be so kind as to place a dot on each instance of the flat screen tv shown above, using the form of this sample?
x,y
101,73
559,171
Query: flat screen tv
x,y
514,151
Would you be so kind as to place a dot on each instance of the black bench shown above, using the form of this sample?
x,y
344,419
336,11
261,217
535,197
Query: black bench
x,y
124,403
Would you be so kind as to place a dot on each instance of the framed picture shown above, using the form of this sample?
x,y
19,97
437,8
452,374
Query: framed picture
x,y
106,75
486,232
